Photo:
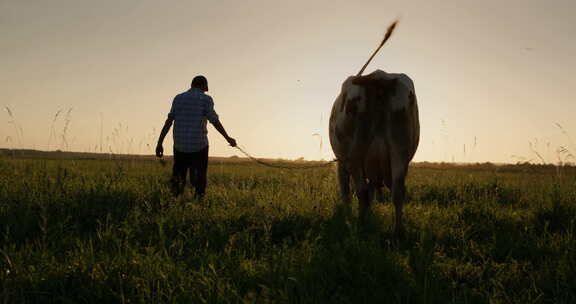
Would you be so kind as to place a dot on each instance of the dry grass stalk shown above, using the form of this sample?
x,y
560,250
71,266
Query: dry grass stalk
x,y
17,127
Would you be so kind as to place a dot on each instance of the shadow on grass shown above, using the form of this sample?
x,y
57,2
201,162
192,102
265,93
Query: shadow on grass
x,y
352,263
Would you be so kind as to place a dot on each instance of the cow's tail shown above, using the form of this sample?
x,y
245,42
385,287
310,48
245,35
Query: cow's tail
x,y
389,32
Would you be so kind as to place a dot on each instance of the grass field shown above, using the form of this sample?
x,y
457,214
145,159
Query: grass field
x,y
95,231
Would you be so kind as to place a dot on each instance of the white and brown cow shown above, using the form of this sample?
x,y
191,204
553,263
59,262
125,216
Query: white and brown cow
x,y
374,132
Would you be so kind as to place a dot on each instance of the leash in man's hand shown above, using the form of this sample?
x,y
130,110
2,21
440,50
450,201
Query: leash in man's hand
x,y
159,154
278,166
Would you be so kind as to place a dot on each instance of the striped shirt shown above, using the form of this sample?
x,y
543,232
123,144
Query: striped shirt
x,y
190,110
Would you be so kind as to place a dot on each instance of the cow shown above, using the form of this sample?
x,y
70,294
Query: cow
x,y
374,133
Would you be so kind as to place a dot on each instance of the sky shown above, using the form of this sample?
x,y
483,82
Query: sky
x,y
494,79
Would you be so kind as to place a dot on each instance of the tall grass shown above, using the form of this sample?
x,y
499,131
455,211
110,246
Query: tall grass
x,y
117,142
18,131
109,231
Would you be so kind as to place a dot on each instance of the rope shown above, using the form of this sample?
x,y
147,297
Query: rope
x,y
278,166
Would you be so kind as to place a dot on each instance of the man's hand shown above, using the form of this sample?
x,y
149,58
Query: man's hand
x,y
231,141
159,151
165,129
220,129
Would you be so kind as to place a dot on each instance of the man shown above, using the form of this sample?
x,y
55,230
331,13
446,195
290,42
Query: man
x,y
189,112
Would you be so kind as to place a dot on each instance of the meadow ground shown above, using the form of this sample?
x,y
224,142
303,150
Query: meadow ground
x,y
95,231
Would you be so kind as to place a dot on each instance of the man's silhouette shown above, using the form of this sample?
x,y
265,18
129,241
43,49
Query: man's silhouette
x,y
189,113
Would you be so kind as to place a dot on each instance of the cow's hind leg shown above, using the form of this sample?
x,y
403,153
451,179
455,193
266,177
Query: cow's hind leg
x,y
399,194
379,195
374,191
362,192
344,181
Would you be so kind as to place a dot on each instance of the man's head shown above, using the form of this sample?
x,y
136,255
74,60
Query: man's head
x,y
200,82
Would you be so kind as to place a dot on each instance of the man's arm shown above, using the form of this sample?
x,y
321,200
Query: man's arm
x,y
222,131
213,118
165,129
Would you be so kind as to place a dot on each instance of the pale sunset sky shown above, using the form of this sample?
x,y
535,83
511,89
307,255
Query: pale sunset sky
x,y
493,78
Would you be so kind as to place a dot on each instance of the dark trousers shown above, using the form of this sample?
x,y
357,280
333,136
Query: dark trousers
x,y
194,162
